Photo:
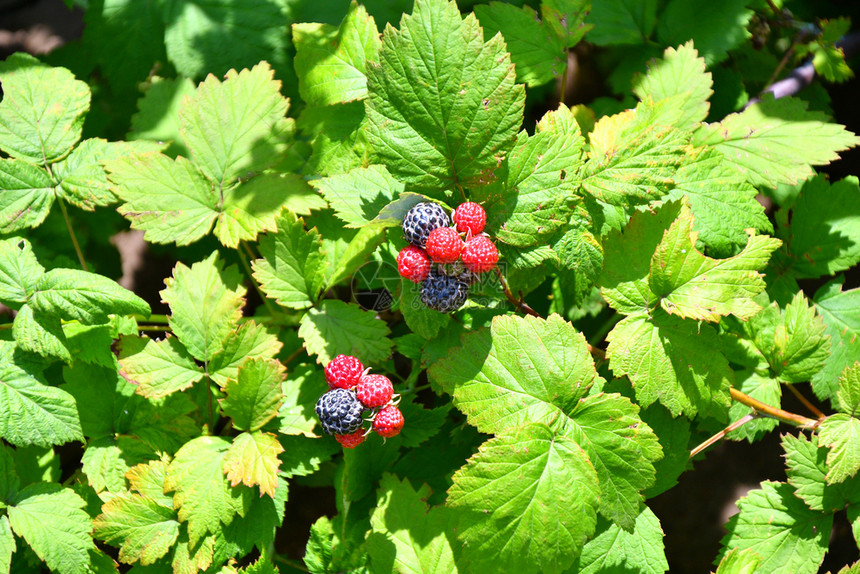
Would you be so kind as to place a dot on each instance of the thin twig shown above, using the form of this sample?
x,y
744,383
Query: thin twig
x,y
812,408
737,424
774,412
783,62
154,318
72,233
293,355
247,265
518,303
291,563
803,75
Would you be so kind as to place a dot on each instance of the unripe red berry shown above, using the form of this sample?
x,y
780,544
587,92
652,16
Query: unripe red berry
x,y
374,390
351,440
388,422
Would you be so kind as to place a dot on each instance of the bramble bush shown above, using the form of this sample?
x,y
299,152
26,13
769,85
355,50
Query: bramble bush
x,y
645,303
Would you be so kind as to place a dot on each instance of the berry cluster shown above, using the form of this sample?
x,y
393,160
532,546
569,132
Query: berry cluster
x,y
354,393
459,253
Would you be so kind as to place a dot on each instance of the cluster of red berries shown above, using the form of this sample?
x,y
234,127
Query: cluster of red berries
x,y
461,252
355,392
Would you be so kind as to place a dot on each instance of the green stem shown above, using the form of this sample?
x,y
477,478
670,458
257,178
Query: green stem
x,y
6,326
72,233
164,328
562,88
159,319
600,334
416,389
247,265
291,563
209,398
293,356
737,424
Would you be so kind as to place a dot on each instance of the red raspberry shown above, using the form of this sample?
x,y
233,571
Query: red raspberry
x,y
388,422
343,372
470,216
374,390
480,254
413,264
351,440
444,245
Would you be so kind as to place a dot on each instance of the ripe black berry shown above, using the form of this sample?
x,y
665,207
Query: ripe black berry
x,y
339,412
444,293
421,220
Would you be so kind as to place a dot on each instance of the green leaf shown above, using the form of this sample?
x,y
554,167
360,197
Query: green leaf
x,y
19,270
506,500
336,327
806,469
331,61
50,518
566,19
739,562
339,144
723,203
168,199
495,379
680,75
838,309
627,258
202,494
525,370
158,368
144,529
236,126
31,411
613,549
824,220
406,533
692,285
42,110
539,176
249,341
779,527
301,391
107,459
27,195
254,398
622,21
632,158
443,122
715,30
253,459
198,31
126,37
253,207
538,54
292,267
9,480
148,480
157,117
87,297
7,544
347,265
206,303
82,176
420,319
358,196
796,347
41,333
841,434
776,141
672,361
848,394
